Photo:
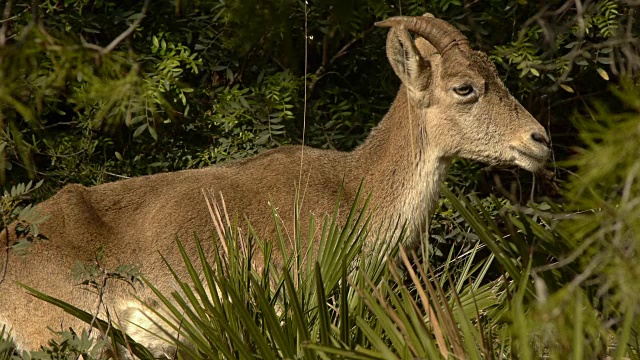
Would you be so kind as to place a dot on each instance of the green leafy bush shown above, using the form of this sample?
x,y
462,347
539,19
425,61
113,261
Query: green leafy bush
x,y
198,83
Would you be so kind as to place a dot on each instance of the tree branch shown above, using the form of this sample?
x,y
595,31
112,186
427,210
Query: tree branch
x,y
326,65
6,250
5,22
122,36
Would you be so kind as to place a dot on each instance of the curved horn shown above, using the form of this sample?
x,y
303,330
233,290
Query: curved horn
x,y
442,35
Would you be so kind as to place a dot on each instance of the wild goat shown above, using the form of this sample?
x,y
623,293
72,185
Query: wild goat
x,y
451,104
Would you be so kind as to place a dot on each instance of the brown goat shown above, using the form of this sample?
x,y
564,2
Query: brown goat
x,y
451,104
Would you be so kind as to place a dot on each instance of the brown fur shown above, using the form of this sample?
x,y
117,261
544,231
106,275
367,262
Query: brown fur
x,y
402,164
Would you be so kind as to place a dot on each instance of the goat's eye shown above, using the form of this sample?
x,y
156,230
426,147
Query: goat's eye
x,y
463,90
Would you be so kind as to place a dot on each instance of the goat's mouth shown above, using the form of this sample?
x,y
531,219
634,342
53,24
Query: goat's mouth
x,y
530,159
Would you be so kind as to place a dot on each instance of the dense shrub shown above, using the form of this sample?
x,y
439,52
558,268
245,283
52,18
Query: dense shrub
x,y
194,83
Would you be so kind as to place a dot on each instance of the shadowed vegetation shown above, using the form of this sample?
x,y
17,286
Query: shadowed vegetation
x,y
546,269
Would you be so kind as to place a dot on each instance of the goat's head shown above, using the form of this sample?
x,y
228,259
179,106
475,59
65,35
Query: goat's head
x,y
456,94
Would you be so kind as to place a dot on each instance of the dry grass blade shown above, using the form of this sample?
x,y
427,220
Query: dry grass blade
x,y
433,318
214,211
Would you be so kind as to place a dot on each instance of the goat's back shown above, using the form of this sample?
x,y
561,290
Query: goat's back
x,y
135,220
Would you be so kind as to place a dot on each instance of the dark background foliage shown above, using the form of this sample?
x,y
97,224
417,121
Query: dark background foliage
x,y
96,91
194,83
199,82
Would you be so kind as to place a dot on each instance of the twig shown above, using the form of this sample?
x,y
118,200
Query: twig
x,y
298,204
576,50
117,175
630,16
26,168
595,262
60,124
101,287
7,248
122,36
576,98
130,30
325,66
567,259
14,17
175,351
5,22
562,9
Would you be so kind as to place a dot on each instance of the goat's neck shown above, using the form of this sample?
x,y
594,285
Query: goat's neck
x,y
403,168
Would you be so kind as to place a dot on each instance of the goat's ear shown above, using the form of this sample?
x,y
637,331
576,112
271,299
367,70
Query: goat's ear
x,y
407,62
425,48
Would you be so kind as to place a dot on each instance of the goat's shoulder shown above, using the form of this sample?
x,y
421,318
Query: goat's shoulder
x,y
71,194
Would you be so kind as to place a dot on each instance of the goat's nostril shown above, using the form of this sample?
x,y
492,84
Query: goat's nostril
x,y
540,137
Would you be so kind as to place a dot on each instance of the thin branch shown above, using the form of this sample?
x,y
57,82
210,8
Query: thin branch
x,y
122,36
576,50
343,50
567,259
130,30
117,175
7,253
64,123
632,56
562,9
26,168
5,22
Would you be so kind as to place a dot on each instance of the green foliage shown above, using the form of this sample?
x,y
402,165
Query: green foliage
x,y
582,296
201,82
557,281
605,191
25,218
6,344
246,120
69,346
269,311
346,301
197,83
95,275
